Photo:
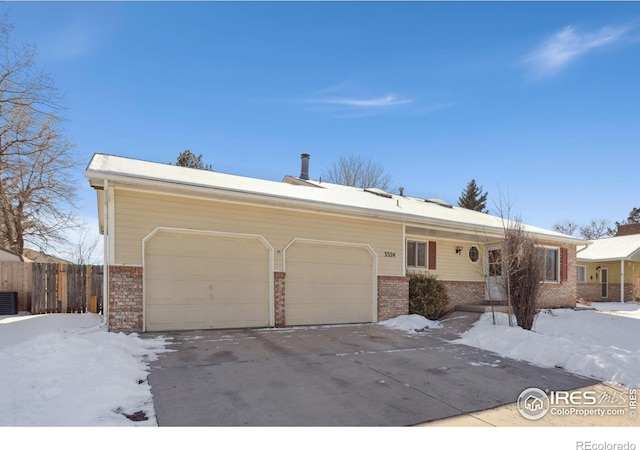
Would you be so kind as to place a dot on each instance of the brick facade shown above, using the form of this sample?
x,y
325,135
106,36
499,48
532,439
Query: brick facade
x,y
464,293
279,297
126,312
393,296
125,298
591,292
565,293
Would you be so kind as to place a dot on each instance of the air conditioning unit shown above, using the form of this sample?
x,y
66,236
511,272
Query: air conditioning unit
x,y
8,303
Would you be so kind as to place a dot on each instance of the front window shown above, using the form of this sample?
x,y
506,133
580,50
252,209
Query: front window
x,y
474,254
551,264
416,254
582,274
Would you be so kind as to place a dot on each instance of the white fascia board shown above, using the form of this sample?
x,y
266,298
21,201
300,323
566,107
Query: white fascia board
x,y
96,177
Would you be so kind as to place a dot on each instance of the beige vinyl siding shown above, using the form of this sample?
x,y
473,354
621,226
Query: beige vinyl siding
x,y
451,266
138,213
613,269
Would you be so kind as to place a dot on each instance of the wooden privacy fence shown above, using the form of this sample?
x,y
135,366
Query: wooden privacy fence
x,y
53,288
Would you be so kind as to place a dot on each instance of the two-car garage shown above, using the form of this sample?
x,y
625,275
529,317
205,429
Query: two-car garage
x,y
204,279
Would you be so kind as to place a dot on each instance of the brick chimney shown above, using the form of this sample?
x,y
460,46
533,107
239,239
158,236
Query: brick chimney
x,y
628,229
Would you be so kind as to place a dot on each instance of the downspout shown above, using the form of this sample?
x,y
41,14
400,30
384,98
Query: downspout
x,y
622,281
105,257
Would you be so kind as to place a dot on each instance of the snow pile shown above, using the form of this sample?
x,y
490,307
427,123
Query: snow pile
x,y
602,344
411,323
67,370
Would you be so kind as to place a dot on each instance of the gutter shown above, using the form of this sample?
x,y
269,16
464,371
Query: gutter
x,y
285,201
586,244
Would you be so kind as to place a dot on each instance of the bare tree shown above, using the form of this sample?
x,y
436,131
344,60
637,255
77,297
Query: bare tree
x,y
84,248
36,186
566,227
595,229
634,217
358,172
524,271
522,267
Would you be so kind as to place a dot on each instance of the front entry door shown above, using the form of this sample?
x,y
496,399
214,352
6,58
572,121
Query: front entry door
x,y
494,288
604,280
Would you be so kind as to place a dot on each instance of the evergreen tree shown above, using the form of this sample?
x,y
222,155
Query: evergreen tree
x,y
473,198
188,159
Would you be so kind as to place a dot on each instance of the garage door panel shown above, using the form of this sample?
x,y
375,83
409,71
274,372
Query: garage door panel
x,y
206,281
159,290
239,270
226,291
319,293
163,315
314,314
329,283
162,266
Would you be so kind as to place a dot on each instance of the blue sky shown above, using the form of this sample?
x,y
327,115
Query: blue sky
x,y
539,101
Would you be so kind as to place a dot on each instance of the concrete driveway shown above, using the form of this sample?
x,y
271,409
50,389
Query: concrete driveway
x,y
356,375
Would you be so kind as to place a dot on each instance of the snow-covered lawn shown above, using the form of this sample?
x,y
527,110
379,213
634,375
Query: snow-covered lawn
x,y
67,370
603,344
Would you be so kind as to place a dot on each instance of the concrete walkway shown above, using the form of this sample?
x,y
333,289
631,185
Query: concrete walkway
x,y
509,416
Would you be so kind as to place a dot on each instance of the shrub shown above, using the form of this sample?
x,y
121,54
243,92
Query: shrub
x,y
427,296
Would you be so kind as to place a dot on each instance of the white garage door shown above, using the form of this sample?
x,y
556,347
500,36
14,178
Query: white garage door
x,y
197,281
329,283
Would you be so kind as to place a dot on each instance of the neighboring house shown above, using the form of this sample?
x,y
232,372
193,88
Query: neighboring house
x,y
195,249
609,268
41,257
7,255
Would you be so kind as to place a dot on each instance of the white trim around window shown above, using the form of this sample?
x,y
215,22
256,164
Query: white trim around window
x,y
417,254
551,264
581,273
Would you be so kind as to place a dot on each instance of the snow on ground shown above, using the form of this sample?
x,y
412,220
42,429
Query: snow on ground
x,y
601,343
68,370
411,323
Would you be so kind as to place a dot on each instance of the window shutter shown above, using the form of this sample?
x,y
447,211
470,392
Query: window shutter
x,y
564,264
432,255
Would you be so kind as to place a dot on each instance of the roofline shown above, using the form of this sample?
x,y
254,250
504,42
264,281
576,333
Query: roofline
x,y
627,257
13,253
593,260
250,196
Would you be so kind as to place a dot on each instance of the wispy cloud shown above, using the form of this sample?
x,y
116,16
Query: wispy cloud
x,y
347,101
341,102
380,102
568,45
